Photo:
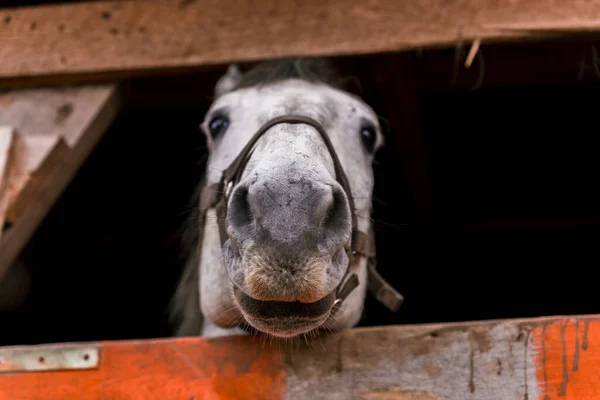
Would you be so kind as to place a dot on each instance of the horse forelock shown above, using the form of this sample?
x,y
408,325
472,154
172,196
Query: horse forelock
x,y
315,70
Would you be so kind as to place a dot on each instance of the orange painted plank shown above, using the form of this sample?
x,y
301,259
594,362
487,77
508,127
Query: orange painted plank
x,y
186,369
533,359
567,358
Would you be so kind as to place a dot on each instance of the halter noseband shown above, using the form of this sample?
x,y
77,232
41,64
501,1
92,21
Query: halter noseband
x,y
362,245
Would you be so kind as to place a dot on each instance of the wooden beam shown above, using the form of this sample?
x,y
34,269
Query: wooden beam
x,y
6,146
534,359
102,40
57,129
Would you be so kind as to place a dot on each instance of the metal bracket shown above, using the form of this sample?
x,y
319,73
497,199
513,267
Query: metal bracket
x,y
49,358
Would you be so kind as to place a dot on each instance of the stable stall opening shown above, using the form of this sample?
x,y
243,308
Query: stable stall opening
x,y
484,206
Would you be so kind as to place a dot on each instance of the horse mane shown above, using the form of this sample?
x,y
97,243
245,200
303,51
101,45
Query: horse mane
x,y
184,307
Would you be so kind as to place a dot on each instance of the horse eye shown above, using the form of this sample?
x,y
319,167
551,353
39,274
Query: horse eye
x,y
369,137
218,125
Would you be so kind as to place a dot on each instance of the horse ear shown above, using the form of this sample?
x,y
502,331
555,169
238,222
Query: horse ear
x,y
228,81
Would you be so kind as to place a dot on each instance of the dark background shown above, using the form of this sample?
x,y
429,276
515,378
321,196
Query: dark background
x,y
510,228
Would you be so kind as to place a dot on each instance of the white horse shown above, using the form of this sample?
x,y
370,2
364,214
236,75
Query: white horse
x,y
282,239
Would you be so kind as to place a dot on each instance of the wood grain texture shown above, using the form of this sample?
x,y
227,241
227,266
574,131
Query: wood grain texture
x,y
57,129
457,362
533,359
115,39
32,153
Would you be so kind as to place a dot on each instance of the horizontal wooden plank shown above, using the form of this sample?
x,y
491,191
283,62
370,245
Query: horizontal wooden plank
x,y
543,358
163,369
56,130
116,39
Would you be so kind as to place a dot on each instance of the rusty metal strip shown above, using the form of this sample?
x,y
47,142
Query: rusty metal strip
x,y
49,358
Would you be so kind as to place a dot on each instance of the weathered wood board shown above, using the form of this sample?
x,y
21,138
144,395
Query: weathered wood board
x,y
116,39
6,152
536,359
55,131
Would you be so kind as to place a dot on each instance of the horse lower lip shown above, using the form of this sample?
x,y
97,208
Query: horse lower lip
x,y
282,309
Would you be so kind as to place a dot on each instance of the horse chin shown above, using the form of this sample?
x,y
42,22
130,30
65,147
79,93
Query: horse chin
x,y
284,319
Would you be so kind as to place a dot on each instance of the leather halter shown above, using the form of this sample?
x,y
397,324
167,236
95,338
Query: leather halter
x,y
362,245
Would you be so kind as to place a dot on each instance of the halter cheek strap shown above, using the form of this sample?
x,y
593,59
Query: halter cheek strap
x,y
216,196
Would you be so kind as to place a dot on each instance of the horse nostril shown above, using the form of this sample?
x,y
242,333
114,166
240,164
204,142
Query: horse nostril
x,y
239,214
337,217
294,214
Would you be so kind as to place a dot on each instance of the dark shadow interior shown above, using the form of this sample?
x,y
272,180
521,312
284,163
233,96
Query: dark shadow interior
x,y
511,228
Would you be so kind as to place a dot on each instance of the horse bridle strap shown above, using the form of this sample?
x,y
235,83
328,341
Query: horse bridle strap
x,y
217,195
